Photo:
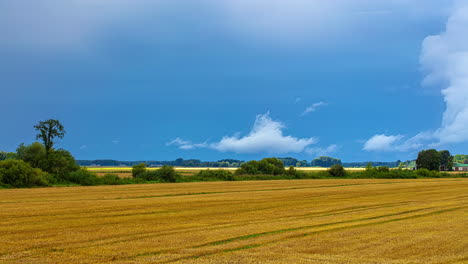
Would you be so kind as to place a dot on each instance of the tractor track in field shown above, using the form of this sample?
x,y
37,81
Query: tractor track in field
x,y
295,236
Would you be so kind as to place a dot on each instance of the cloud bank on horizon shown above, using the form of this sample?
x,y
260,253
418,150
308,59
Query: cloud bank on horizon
x,y
444,58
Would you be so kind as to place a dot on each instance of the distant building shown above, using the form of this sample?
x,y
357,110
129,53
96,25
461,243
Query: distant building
x,y
460,167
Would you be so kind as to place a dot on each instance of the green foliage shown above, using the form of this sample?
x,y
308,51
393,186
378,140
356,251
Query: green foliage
x,y
271,166
446,160
164,174
324,162
7,155
138,169
60,162
214,175
460,158
57,162
17,173
288,161
34,154
428,159
292,172
83,177
302,163
383,169
337,170
48,130
111,179
167,174
425,173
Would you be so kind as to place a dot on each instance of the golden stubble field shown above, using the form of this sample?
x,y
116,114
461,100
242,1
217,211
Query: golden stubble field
x,y
298,221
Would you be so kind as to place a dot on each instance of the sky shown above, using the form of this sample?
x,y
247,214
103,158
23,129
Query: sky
x,y
358,80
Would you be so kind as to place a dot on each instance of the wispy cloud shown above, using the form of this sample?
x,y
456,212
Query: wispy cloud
x,y
313,108
83,147
185,144
323,151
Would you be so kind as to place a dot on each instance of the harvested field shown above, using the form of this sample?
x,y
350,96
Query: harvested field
x,y
297,221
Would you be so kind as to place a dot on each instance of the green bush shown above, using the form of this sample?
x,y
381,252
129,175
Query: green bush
x,y
57,162
139,169
164,174
425,173
167,174
214,175
383,169
34,154
17,173
269,166
60,163
337,170
83,177
292,172
111,179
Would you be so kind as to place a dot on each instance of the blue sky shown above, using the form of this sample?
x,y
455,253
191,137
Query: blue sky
x,y
138,80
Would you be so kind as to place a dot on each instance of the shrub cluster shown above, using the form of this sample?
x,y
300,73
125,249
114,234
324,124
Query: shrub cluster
x,y
164,174
138,170
269,166
214,175
17,173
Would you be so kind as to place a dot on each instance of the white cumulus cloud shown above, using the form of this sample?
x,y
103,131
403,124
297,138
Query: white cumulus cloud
x,y
382,143
444,57
266,136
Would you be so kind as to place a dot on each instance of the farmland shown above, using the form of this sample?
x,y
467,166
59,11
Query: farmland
x,y
300,221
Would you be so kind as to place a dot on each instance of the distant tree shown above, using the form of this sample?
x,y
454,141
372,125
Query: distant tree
x,y
8,155
324,161
178,162
459,158
48,131
446,160
401,165
167,174
397,163
428,159
465,161
138,169
60,163
269,166
337,170
288,161
57,162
